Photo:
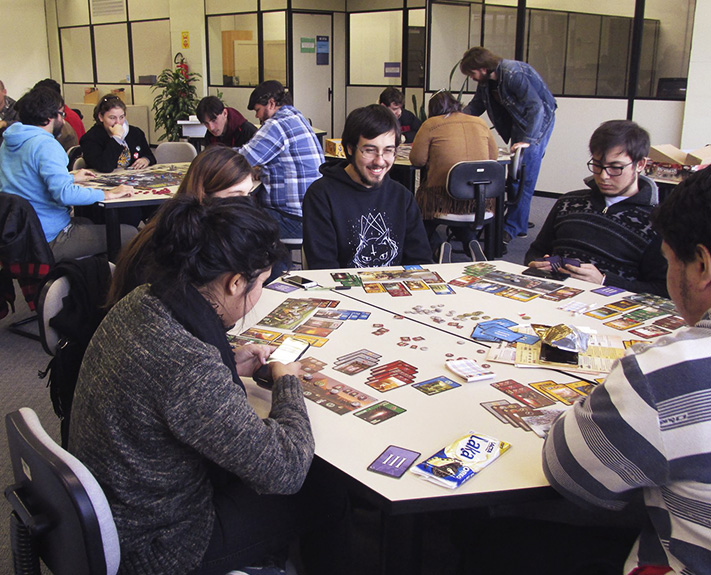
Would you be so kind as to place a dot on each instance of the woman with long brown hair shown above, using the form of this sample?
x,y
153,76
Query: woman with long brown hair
x,y
218,171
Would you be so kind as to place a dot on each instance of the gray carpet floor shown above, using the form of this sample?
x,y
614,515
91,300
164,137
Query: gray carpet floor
x,y
21,358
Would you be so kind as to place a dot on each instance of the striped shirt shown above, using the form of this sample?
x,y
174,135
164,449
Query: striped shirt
x,y
290,155
647,427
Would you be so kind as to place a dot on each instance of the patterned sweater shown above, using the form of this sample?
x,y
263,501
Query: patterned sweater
x,y
618,240
153,406
648,427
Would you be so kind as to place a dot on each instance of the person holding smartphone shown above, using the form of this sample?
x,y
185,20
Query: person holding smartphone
x,y
111,143
197,483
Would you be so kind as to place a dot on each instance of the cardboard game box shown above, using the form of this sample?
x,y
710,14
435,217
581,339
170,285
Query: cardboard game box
x,y
335,148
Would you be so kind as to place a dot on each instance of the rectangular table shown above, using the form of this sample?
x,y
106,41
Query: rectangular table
x,y
154,185
429,423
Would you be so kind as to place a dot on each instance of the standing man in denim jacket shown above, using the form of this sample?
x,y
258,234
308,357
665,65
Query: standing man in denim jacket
x,y
522,109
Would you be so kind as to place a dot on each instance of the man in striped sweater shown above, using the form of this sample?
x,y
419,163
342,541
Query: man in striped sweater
x,y
648,426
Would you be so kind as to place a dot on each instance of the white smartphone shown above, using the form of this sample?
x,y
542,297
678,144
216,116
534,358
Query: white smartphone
x,y
300,281
291,349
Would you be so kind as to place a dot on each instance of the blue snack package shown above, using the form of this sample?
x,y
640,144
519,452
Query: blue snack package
x,y
461,460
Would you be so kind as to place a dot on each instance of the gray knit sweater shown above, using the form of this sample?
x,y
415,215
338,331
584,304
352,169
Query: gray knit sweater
x,y
152,405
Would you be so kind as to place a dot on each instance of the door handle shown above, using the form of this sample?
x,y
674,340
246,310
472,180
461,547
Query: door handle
x,y
330,93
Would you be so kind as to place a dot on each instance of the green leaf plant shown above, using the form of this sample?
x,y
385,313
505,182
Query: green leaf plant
x,y
176,100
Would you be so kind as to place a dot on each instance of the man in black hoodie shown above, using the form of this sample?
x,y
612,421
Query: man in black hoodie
x,y
355,215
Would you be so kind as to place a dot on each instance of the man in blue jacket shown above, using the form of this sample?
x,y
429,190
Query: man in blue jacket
x,y
33,165
522,110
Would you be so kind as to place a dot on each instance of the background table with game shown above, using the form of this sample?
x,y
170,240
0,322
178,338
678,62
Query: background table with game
x,y
375,375
154,185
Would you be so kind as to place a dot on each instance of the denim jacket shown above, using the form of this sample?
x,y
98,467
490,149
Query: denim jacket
x,y
527,106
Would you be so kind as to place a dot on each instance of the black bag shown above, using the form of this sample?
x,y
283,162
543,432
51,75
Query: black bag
x,y
81,314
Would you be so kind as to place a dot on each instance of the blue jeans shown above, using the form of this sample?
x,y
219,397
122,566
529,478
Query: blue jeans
x,y
517,216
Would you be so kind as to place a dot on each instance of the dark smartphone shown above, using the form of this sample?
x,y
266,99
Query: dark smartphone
x,y
300,281
557,355
291,349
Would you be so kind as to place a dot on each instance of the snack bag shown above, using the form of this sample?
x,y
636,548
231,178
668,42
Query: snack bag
x,y
460,461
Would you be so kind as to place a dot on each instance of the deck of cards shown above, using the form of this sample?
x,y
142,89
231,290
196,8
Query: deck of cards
x,y
469,370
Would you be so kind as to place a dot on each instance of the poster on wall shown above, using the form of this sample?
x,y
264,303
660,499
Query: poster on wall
x,y
322,50
392,70
308,45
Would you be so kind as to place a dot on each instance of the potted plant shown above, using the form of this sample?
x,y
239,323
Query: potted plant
x,y
176,101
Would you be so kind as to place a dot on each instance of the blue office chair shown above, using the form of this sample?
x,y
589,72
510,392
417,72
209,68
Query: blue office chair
x,y
60,513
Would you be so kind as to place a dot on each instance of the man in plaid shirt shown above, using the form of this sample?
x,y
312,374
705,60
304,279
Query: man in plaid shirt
x,y
288,153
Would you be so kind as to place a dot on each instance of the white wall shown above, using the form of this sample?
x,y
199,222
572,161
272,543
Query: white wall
x,y
23,45
696,130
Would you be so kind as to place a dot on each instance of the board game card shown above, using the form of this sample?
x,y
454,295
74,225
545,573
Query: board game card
x,y
489,406
394,461
311,339
488,287
333,395
317,331
282,287
337,314
518,294
649,331
398,364
360,352
623,305
523,393
373,288
540,422
645,313
396,289
622,323
602,312
260,335
566,395
561,293
503,413
387,384
442,289
517,412
582,387
323,322
412,267
415,285
290,313
354,366
311,364
670,322
436,385
379,412
608,290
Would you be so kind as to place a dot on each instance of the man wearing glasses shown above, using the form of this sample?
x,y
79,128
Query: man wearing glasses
x,y
607,226
33,165
355,215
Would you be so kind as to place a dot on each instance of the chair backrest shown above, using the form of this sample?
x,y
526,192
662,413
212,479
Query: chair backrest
x,y
49,304
73,154
79,163
465,178
514,177
58,503
173,152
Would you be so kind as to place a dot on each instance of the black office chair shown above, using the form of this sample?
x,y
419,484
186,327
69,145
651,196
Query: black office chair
x,y
73,154
477,181
514,176
60,513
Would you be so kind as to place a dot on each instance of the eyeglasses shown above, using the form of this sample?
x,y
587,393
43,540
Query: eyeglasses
x,y
61,113
612,171
371,152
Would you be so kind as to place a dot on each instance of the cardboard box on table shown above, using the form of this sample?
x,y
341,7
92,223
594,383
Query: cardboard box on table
x,y
668,161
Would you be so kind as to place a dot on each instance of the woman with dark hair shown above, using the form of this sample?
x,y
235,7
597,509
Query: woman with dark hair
x,y
111,143
195,479
447,137
218,171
